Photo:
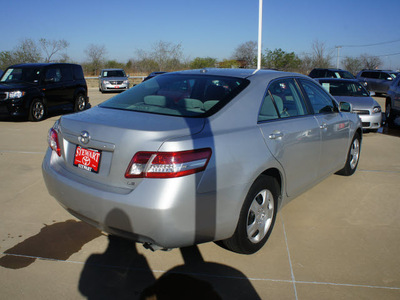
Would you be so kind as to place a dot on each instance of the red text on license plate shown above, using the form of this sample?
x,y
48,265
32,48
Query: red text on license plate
x,y
87,159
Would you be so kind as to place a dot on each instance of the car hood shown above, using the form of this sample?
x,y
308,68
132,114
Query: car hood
x,y
14,86
358,102
114,78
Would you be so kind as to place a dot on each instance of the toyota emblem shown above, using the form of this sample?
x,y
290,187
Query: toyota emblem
x,y
84,137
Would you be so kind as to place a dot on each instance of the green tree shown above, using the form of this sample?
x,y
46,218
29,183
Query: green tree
x,y
113,64
202,62
281,60
5,59
229,63
27,51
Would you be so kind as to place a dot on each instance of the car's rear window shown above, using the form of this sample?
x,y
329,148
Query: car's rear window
x,y
179,95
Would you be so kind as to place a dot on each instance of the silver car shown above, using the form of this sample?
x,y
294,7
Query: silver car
x,y
351,91
113,80
201,155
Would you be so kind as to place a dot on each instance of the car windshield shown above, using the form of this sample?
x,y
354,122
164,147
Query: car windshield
x,y
114,73
30,75
179,95
341,88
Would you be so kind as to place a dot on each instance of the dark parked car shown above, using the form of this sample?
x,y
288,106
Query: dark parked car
x,y
393,101
31,89
200,155
378,80
330,73
153,74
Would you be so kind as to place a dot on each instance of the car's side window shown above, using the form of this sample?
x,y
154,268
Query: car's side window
x,y
320,101
66,73
53,74
283,100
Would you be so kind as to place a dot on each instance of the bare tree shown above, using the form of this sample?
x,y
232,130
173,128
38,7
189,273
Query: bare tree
x,y
51,47
351,64
321,57
370,62
167,55
164,56
246,52
96,55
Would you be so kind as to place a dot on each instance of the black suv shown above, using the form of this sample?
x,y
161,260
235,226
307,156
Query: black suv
x,y
330,73
378,81
31,89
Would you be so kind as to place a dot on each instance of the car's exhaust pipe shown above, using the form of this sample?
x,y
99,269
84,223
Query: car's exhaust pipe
x,y
153,247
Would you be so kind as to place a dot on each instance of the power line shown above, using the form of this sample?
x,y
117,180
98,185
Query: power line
x,y
368,45
398,53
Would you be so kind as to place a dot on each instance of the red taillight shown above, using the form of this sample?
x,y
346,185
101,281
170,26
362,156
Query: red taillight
x,y
168,164
53,141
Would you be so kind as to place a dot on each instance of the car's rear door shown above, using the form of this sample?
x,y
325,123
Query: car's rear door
x,y
291,133
53,86
334,127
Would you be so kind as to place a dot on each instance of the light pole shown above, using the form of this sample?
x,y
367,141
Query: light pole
x,y
337,58
259,34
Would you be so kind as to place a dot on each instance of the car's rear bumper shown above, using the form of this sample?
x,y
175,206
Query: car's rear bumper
x,y
163,212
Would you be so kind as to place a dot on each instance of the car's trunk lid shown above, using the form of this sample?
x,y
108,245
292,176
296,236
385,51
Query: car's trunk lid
x,y
116,135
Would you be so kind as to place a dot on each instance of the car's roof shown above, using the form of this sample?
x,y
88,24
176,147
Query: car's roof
x,y
112,69
239,73
337,79
38,65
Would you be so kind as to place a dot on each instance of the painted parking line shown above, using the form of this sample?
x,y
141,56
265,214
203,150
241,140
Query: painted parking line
x,y
210,275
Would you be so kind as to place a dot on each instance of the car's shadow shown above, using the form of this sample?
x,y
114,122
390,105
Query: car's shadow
x,y
122,273
53,112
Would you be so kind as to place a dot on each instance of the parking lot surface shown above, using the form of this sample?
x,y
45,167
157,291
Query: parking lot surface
x,y
339,240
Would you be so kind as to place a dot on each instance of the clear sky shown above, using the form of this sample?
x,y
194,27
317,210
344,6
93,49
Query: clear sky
x,y
207,27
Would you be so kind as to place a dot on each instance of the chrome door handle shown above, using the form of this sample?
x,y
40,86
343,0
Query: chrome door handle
x,y
276,135
323,126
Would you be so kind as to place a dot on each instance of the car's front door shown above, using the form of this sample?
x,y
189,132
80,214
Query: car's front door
x,y
291,133
334,127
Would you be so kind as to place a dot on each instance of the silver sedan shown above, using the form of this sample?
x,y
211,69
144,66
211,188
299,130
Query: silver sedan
x,y
201,155
353,92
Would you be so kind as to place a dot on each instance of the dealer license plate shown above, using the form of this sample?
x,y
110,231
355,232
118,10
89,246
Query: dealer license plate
x,y
87,159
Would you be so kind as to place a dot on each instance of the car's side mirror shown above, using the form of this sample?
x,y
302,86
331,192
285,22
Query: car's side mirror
x,y
345,107
389,79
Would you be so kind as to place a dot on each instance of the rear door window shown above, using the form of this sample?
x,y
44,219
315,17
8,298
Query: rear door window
x,y
283,100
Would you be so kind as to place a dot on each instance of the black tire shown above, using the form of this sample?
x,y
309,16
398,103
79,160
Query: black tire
x,y
37,110
257,217
390,116
80,103
353,157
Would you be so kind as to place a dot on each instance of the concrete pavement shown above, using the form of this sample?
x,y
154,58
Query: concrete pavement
x,y
339,240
